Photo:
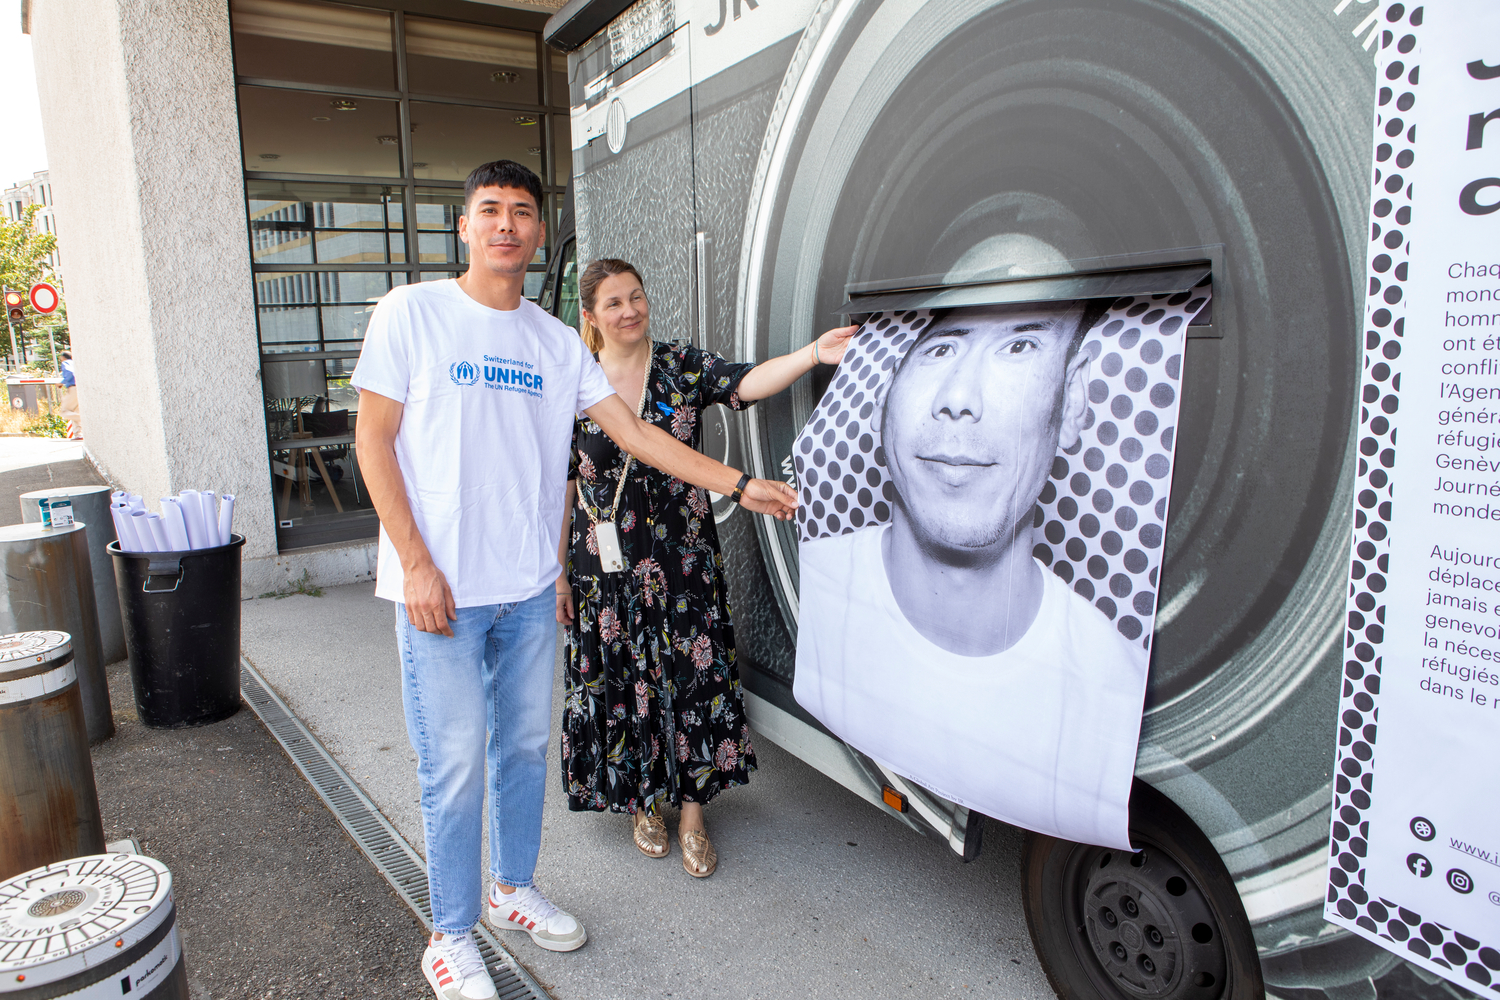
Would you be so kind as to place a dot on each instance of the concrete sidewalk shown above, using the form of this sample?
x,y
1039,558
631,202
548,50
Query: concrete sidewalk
x,y
274,900
817,893
28,464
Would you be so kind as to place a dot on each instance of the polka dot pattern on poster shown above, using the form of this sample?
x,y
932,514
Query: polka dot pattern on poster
x,y
1100,520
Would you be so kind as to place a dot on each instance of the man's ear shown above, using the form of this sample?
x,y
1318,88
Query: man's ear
x,y
1075,400
463,227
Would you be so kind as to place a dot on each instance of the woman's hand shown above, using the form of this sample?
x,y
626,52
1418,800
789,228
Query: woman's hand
x,y
766,496
831,345
564,603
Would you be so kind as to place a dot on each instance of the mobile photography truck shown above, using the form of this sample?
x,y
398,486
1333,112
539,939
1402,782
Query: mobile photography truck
x,y
775,166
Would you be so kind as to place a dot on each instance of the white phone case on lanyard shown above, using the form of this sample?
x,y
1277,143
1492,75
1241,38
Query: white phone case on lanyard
x,y
607,534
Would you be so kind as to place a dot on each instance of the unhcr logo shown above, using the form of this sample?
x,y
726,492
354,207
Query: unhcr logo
x,y
463,373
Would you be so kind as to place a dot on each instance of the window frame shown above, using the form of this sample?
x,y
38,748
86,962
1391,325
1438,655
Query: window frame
x,y
552,113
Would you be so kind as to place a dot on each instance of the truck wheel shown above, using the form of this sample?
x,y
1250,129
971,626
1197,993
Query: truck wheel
x,y
1164,922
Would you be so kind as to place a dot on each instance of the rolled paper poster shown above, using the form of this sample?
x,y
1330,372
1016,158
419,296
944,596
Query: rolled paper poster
x,y
124,527
158,533
210,517
172,521
192,512
118,496
143,534
226,518
135,501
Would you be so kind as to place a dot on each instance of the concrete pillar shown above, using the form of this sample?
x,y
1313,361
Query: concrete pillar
x,y
143,145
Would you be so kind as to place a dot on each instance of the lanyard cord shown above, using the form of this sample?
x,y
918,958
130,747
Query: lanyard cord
x,y
640,408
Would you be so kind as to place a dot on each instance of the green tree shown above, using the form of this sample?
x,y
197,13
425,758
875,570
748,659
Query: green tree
x,y
49,330
24,260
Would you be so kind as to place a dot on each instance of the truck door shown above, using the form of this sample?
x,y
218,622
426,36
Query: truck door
x,y
633,160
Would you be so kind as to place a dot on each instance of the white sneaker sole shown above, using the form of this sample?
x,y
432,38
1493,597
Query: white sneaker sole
x,y
499,923
442,992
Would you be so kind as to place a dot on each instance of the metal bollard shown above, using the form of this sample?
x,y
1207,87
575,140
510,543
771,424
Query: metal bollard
x,y
49,807
48,584
98,926
91,508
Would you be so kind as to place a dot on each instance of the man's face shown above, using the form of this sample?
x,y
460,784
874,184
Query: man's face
x,y
503,227
973,419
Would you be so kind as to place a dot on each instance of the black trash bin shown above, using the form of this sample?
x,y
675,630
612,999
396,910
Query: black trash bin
x,y
181,612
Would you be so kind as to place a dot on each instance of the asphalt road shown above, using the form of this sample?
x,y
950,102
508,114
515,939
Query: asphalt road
x,y
273,899
817,895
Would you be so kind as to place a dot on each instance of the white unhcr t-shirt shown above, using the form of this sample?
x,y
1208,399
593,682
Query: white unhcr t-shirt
x,y
489,400
1042,736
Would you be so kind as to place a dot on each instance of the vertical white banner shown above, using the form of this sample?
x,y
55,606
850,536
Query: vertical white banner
x,y
1415,861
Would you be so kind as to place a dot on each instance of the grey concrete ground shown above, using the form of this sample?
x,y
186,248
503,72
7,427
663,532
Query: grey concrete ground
x,y
36,453
273,899
28,464
817,893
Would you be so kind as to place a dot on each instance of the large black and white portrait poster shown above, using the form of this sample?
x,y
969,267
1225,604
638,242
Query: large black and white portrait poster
x,y
1415,860
984,498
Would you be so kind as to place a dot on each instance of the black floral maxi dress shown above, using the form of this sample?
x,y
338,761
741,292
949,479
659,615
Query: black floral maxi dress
x,y
653,713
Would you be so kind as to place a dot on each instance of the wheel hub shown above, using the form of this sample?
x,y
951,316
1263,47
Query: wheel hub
x,y
1150,928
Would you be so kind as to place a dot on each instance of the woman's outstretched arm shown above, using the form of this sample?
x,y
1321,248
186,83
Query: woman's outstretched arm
x,y
770,377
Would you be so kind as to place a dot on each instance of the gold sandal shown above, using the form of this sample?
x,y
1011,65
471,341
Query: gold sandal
x,y
650,834
699,859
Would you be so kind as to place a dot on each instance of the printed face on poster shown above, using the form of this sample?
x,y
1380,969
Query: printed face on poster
x,y
1415,857
984,500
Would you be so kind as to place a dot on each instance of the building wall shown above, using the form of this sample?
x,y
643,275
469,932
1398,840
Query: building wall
x,y
143,148
86,104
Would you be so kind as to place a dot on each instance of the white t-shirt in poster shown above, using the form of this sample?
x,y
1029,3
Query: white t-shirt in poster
x,y
490,398
1042,736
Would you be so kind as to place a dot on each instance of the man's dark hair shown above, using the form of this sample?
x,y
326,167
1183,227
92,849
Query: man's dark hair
x,y
67,355
1093,311
504,173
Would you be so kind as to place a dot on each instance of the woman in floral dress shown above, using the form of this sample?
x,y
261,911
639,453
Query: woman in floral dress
x,y
653,715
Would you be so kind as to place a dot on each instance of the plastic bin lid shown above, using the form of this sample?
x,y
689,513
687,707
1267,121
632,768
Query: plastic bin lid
x,y
59,920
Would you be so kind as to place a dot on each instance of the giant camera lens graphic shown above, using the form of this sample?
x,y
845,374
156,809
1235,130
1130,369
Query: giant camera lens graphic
x,y
917,138
1042,131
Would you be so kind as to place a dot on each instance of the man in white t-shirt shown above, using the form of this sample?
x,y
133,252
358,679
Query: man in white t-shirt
x,y
938,644
467,399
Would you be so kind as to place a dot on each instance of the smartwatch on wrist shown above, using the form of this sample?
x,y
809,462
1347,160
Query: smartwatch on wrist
x,y
739,488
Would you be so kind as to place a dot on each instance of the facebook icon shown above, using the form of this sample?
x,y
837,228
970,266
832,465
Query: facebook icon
x,y
1418,865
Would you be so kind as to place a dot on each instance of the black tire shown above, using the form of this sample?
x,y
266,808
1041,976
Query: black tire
x,y
1164,923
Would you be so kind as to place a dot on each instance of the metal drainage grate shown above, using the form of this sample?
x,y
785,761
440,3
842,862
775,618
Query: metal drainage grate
x,y
387,850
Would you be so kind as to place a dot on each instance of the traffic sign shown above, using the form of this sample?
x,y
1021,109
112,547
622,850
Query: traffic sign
x,y
15,306
44,298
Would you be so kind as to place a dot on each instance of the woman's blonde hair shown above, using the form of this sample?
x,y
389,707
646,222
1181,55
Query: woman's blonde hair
x,y
588,292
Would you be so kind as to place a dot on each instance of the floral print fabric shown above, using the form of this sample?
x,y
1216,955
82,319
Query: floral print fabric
x,y
653,712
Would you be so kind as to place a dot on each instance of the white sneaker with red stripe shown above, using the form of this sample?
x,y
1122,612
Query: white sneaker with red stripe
x,y
455,970
530,911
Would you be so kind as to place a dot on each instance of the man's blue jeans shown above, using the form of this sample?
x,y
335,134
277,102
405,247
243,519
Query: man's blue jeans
x,y
482,697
